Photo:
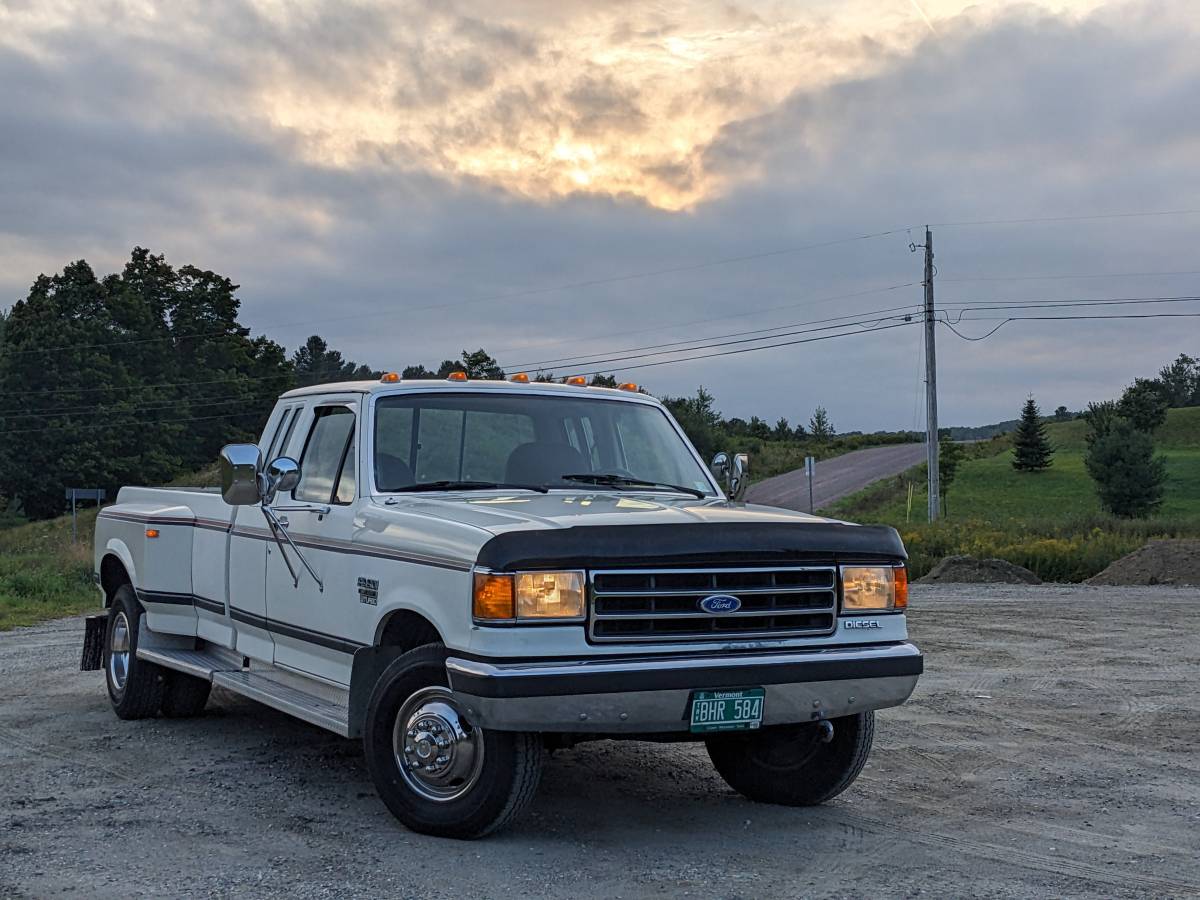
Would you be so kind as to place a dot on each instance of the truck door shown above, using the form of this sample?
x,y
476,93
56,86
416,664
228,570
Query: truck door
x,y
310,622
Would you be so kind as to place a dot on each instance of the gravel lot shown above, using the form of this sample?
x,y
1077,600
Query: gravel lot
x,y
1052,748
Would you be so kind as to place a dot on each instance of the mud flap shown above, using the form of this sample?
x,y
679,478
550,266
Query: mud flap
x,y
95,628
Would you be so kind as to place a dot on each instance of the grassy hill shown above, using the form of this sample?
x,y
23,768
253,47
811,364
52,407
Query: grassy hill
x,y
43,574
1051,521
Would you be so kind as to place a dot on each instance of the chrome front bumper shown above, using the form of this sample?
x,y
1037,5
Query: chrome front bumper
x,y
651,695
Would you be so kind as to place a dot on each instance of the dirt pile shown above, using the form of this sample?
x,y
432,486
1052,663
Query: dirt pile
x,y
1159,562
972,570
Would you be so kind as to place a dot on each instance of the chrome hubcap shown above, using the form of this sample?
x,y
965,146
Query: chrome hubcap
x,y
118,653
438,752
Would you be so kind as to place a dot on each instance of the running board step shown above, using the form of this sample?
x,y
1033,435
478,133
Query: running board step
x,y
224,669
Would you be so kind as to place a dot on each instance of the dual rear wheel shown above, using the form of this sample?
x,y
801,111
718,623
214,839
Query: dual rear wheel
x,y
139,689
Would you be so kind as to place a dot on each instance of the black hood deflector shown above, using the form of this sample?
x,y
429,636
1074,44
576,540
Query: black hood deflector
x,y
691,544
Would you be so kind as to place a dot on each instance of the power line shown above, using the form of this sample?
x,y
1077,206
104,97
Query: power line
x,y
103,410
984,305
1005,320
128,422
509,295
588,358
1069,277
738,315
1035,220
721,340
825,337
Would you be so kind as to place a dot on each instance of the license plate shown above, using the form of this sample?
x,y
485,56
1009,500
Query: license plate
x,y
738,710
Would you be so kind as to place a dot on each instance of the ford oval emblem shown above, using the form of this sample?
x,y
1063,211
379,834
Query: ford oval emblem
x,y
717,604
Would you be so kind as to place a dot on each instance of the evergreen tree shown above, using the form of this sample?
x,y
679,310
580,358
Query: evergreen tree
x,y
783,430
820,426
315,363
1031,448
1129,477
950,457
608,381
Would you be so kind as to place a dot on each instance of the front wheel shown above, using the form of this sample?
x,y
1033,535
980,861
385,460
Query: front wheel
x,y
793,765
435,771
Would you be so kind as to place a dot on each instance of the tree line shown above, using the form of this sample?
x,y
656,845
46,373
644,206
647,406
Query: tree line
x,y
141,376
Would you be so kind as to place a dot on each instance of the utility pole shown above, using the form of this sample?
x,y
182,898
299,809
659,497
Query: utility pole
x,y
931,419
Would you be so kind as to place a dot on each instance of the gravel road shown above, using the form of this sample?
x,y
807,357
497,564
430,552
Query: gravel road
x,y
1050,749
836,478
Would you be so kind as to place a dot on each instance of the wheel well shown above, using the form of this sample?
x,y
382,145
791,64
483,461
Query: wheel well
x,y
407,630
112,576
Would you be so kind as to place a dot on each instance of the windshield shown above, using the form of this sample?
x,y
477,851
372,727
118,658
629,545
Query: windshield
x,y
508,440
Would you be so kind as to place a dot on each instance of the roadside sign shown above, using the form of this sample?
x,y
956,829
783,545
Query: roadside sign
x,y
74,494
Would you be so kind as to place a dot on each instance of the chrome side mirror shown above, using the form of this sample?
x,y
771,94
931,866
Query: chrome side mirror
x,y
720,468
739,478
240,468
283,474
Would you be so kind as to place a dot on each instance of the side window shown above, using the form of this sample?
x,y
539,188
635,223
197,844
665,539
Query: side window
x,y
287,433
328,458
282,430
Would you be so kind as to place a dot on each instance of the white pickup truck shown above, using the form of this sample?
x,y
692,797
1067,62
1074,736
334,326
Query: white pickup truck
x,y
464,573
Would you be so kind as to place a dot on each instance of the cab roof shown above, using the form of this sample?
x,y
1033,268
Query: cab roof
x,y
442,385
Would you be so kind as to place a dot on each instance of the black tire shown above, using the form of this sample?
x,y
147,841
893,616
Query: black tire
x,y
184,696
135,686
501,769
789,765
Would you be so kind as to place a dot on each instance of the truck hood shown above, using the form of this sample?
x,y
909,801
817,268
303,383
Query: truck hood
x,y
613,528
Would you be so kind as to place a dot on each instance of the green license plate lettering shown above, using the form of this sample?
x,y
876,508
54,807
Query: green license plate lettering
x,y
733,710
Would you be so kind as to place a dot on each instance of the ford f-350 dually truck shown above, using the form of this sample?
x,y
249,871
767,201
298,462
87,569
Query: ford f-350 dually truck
x,y
465,573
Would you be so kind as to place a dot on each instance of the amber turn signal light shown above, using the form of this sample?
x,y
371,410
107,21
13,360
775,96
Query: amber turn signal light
x,y
901,601
151,532
492,598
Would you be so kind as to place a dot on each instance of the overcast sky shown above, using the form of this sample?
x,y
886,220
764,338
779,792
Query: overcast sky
x,y
412,179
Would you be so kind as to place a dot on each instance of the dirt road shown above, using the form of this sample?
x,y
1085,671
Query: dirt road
x,y
836,478
1050,749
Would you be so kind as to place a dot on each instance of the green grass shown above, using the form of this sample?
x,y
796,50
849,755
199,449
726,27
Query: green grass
x,y
43,575
1050,522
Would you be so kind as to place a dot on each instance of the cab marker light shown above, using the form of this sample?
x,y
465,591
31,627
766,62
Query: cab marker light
x,y
577,380
457,376
628,386
390,377
520,378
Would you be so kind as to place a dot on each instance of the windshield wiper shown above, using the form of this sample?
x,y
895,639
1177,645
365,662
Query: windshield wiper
x,y
468,486
626,481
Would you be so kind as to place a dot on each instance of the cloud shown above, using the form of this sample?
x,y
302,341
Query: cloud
x,y
279,147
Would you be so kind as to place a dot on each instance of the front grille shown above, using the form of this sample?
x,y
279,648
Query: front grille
x,y
664,605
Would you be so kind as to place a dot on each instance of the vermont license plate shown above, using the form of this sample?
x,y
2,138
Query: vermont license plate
x,y
738,710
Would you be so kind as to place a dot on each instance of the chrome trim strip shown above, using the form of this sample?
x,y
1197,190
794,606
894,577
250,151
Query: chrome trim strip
x,y
644,712
611,667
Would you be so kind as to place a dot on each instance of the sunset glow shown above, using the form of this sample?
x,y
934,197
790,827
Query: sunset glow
x,y
603,99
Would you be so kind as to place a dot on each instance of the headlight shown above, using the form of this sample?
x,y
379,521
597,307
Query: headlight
x,y
529,596
874,588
